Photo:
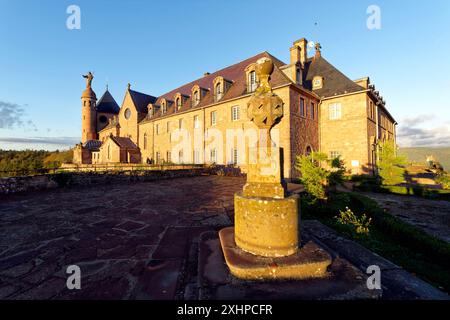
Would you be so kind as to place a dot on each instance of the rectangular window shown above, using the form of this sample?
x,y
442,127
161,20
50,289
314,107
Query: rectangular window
x,y
334,154
157,129
302,108
235,113
234,156
180,123
168,127
335,111
252,85
313,110
213,118
213,155
196,122
169,156
158,157
180,156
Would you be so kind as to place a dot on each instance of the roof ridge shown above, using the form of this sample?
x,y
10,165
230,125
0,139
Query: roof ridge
x,y
193,82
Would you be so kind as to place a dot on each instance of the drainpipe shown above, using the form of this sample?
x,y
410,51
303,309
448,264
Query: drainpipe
x,y
376,141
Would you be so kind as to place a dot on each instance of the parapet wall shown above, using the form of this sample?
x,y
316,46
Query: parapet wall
x,y
13,185
91,174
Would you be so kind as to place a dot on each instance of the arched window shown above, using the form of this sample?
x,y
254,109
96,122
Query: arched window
x,y
178,103
218,92
308,150
163,108
196,98
252,81
145,141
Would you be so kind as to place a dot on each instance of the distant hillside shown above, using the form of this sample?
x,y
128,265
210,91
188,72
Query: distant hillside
x,y
26,162
55,159
419,155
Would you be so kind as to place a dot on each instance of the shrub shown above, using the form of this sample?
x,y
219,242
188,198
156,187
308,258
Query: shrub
x,y
313,176
337,172
361,225
390,165
444,180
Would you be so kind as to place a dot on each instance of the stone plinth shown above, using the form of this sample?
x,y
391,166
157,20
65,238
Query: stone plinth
x,y
266,226
310,261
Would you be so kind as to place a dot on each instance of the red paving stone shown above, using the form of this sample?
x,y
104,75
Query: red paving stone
x,y
131,241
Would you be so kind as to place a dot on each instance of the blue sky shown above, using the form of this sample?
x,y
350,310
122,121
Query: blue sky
x,y
159,45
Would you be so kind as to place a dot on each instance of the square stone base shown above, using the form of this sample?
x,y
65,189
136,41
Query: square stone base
x,y
310,261
343,281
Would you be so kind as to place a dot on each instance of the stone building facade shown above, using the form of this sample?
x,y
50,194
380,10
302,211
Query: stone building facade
x,y
205,121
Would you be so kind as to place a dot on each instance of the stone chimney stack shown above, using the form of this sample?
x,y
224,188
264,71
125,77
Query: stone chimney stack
x,y
318,53
298,51
295,54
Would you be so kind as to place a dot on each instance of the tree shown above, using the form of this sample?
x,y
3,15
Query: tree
x,y
390,165
313,176
337,172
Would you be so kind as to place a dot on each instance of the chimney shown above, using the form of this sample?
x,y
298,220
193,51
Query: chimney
x,y
318,52
298,51
206,74
295,54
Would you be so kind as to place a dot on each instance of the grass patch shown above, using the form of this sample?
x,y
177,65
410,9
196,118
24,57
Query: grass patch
x,y
371,184
405,245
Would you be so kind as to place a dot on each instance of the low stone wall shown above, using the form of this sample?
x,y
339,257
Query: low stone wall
x,y
13,185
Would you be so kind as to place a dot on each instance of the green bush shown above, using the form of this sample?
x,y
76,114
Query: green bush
x,y
390,165
444,180
313,176
390,237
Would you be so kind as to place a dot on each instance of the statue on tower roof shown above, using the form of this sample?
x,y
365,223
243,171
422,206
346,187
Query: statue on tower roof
x,y
88,78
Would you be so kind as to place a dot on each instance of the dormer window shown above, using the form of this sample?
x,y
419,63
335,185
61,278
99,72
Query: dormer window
x,y
218,92
163,107
195,98
221,85
317,82
178,103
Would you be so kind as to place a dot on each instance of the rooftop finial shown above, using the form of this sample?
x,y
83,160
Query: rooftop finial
x,y
128,86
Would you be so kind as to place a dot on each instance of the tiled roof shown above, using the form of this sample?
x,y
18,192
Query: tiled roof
x,y
335,82
92,145
234,73
107,104
124,142
141,100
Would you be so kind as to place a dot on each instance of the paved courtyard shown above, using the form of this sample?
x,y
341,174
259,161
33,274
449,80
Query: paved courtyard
x,y
131,241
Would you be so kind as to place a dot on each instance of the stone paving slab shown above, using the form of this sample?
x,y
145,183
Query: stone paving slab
x,y
130,240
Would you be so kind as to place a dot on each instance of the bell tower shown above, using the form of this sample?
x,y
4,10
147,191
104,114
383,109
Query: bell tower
x,y
88,112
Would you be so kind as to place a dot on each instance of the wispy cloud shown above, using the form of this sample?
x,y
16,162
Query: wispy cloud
x,y
12,115
69,141
411,135
411,122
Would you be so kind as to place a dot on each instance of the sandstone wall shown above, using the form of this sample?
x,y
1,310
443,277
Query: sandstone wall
x,y
13,185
